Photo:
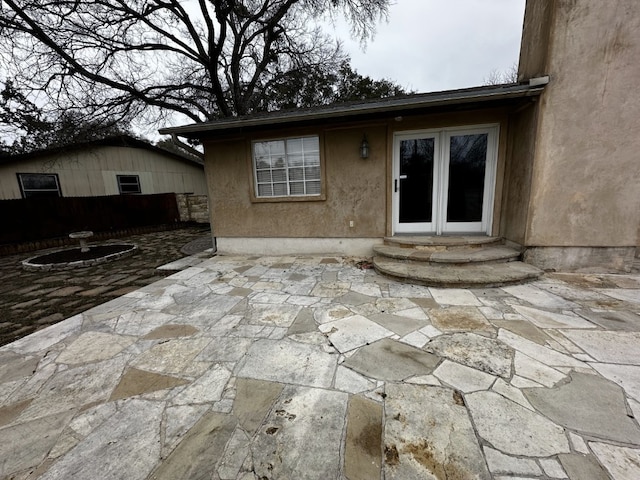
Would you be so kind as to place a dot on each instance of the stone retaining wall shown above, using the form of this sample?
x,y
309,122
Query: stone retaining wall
x,y
193,208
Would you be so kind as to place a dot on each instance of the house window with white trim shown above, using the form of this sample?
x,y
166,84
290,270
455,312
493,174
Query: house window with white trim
x,y
128,184
39,185
288,167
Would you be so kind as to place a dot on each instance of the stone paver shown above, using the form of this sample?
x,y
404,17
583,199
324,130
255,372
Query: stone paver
x,y
30,301
253,368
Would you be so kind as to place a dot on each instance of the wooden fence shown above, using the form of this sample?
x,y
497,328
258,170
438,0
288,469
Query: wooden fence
x,y
32,219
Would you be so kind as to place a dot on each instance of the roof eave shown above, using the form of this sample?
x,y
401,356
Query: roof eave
x,y
453,97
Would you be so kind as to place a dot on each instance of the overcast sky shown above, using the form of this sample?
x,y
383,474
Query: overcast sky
x,y
431,45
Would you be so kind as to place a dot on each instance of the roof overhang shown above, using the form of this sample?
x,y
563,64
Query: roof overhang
x,y
478,97
113,141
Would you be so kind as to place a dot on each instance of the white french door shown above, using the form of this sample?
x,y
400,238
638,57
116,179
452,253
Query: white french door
x,y
444,180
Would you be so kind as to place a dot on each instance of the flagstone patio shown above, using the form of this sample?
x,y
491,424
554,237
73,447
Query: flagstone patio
x,y
312,368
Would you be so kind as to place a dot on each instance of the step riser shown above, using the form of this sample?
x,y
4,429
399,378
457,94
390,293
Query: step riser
x,y
437,244
488,255
475,275
440,248
436,284
463,263
452,262
412,261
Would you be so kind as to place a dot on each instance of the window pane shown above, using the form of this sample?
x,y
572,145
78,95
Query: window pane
x,y
313,188
279,175
265,191
295,160
312,173
264,176
39,182
312,158
276,147
129,189
294,145
416,180
280,189
263,162
468,159
311,144
296,174
260,149
297,188
128,179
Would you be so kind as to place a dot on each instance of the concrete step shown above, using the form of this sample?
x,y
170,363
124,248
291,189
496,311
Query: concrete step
x,y
485,254
438,243
474,275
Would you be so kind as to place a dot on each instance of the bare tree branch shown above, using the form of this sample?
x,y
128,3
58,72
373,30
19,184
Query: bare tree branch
x,y
203,59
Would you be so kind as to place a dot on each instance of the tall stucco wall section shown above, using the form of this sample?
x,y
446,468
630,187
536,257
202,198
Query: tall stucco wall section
x,y
523,124
518,173
586,179
534,47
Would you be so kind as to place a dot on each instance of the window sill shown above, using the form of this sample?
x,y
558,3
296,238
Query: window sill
x,y
305,198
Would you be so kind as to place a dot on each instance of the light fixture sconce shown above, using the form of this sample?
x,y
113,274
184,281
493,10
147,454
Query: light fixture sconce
x,y
364,148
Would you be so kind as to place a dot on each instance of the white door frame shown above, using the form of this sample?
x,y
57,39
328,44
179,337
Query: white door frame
x,y
422,226
439,225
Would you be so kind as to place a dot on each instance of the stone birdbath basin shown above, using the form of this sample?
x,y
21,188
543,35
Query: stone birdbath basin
x,y
82,236
84,256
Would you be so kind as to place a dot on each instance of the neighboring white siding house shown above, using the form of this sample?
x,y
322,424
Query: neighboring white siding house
x,y
119,165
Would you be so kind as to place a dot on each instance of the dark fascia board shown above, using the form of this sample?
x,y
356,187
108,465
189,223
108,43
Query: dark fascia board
x,y
116,141
353,110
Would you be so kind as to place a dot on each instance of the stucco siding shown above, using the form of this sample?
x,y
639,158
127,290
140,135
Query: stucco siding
x,y
534,48
518,174
586,182
354,188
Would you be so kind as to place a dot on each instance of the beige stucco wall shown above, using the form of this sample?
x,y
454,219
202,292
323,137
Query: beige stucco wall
x,y
586,172
518,173
93,172
355,189
534,48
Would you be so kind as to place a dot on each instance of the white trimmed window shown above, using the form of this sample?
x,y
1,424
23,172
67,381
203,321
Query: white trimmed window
x,y
39,185
289,167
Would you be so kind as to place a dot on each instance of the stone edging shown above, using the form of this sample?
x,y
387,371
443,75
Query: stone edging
x,y
32,267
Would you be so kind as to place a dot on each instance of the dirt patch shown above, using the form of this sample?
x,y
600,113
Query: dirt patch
x,y
369,440
391,456
423,454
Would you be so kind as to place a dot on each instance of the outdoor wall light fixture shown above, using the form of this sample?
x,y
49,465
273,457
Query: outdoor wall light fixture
x,y
364,148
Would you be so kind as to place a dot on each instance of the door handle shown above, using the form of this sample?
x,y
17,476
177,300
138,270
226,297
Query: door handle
x,y
395,182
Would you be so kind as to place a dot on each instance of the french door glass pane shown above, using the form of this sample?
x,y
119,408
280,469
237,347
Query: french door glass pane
x,y
467,165
416,180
